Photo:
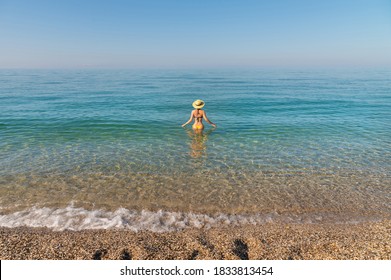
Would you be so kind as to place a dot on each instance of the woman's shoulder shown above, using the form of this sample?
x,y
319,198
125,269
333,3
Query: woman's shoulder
x,y
198,112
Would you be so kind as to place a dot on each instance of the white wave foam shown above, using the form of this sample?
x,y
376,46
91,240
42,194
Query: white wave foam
x,y
71,218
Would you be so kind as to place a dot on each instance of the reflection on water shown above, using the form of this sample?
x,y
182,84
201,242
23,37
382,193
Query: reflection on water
x,y
198,139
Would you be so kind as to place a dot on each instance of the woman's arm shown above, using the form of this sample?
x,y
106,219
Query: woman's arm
x,y
208,121
189,121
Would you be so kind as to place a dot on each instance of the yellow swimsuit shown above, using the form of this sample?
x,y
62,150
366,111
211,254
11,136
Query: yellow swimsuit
x,y
198,126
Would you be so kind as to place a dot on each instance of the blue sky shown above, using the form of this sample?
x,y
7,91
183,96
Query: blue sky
x,y
190,33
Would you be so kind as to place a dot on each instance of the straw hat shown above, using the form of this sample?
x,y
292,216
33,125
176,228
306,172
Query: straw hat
x,y
198,104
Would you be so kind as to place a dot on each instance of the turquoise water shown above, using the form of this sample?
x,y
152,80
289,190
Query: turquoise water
x,y
289,143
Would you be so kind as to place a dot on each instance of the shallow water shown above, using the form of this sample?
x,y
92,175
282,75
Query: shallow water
x,y
301,146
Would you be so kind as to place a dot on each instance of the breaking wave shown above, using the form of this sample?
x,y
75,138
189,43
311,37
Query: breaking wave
x,y
76,219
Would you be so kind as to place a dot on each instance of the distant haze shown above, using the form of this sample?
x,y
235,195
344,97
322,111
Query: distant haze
x,y
188,33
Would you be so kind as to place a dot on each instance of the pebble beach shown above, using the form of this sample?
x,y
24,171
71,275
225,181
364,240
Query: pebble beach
x,y
364,241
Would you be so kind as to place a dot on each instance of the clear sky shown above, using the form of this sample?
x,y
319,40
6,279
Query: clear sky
x,y
194,33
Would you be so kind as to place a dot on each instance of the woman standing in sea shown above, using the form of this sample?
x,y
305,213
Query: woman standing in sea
x,y
198,115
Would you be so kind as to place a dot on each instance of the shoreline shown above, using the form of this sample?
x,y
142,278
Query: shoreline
x,y
275,241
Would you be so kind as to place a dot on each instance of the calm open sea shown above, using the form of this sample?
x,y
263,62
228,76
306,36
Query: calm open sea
x,y
86,149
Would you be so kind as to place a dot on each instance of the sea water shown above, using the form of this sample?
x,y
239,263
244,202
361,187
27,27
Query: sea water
x,y
86,149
